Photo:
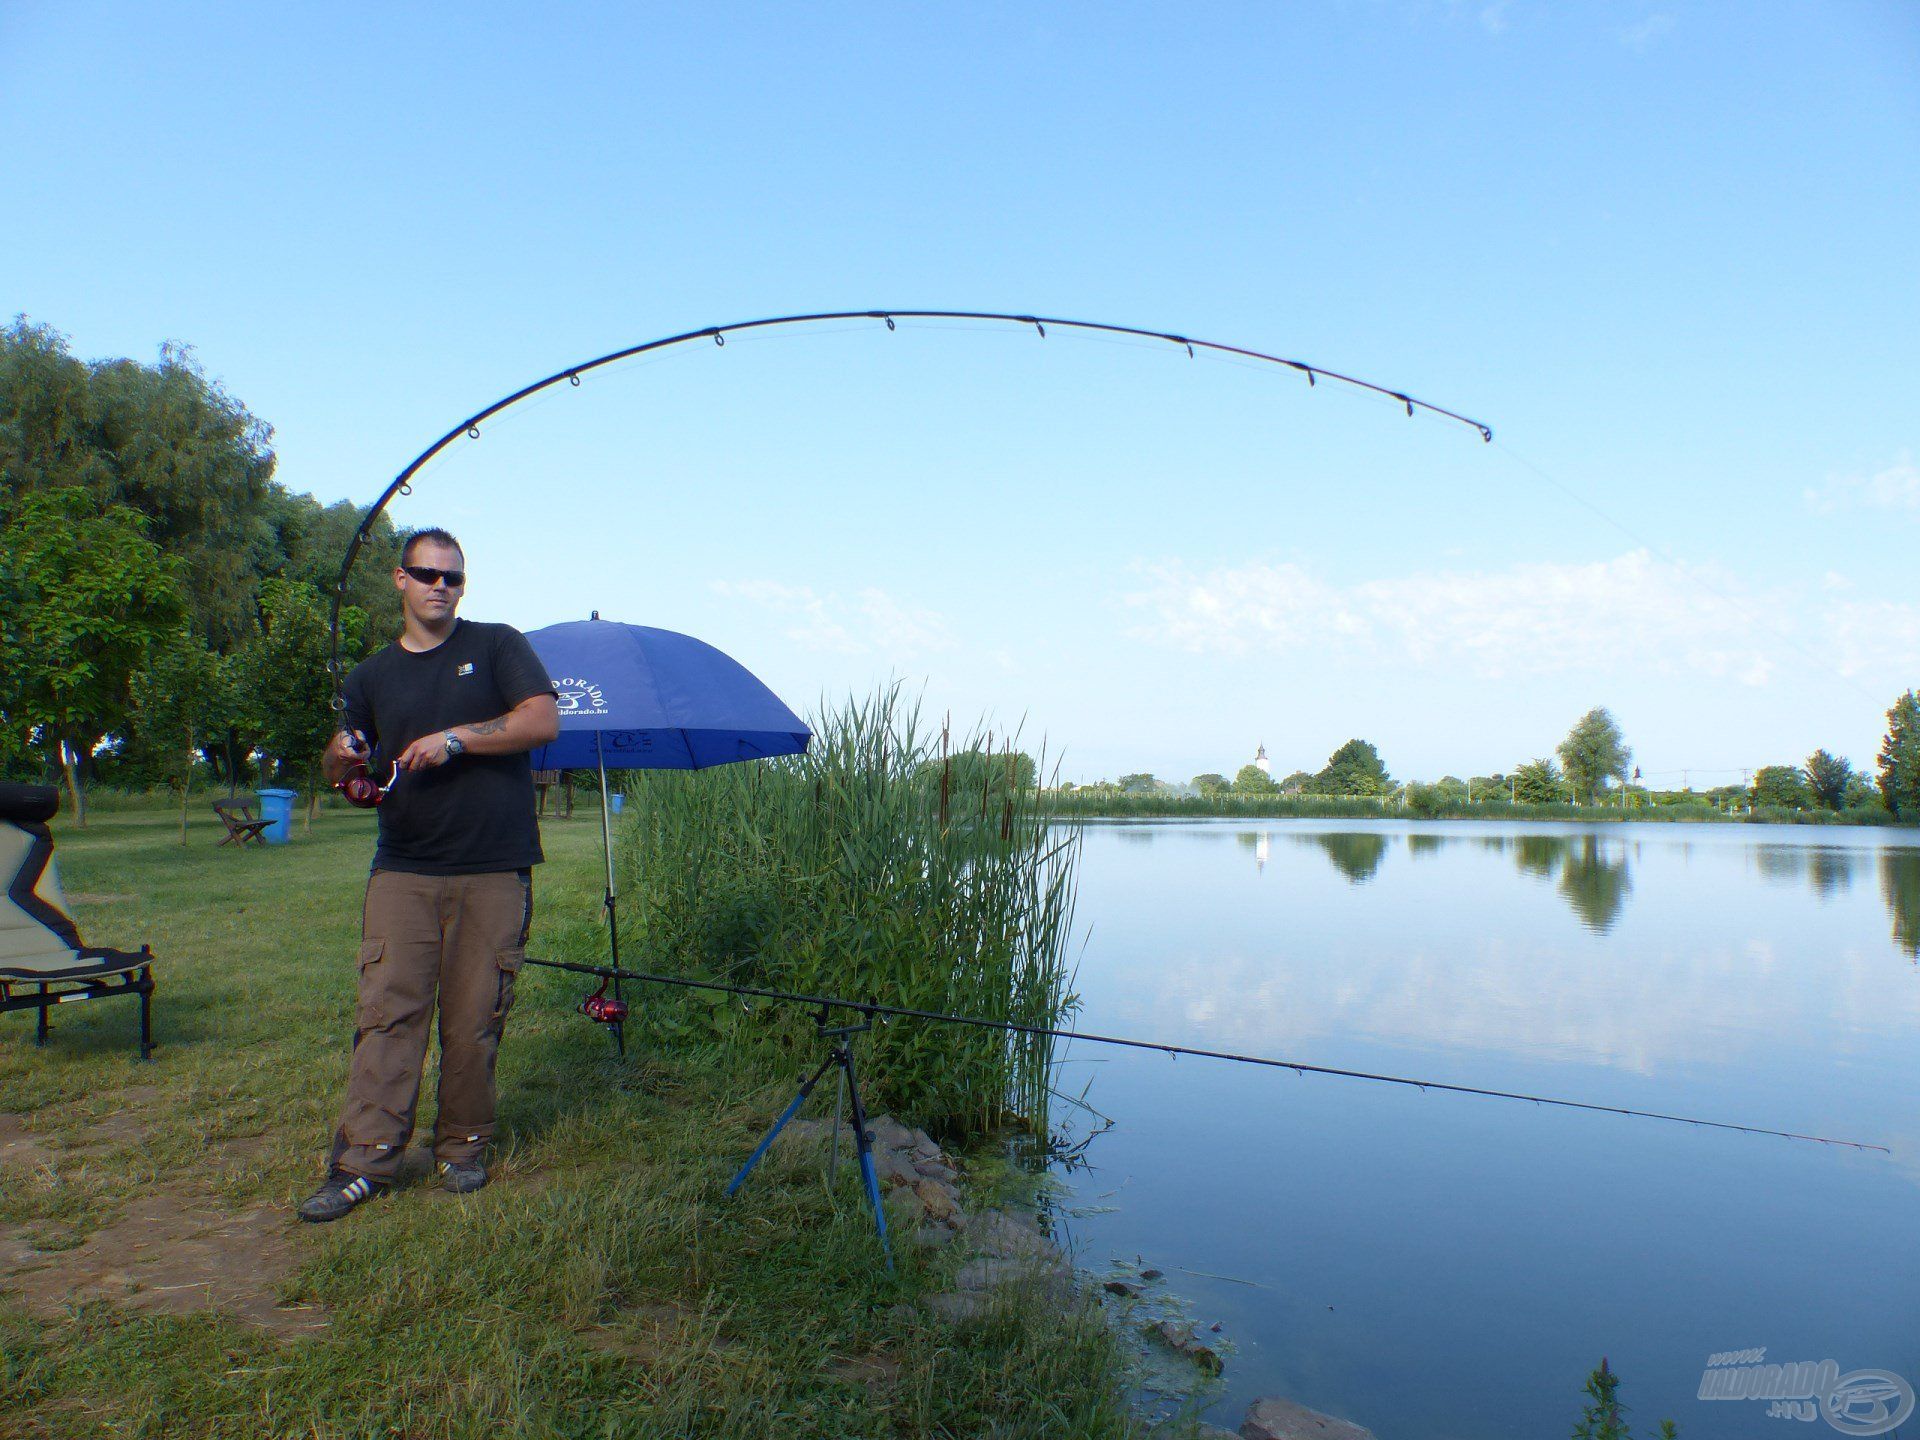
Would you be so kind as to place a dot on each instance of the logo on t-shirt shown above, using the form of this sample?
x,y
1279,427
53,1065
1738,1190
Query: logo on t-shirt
x,y
579,697
466,669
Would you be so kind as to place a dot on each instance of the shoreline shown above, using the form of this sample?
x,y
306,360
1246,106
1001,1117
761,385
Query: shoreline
x,y
1345,808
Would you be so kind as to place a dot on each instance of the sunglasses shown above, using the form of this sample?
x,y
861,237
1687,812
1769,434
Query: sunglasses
x,y
427,575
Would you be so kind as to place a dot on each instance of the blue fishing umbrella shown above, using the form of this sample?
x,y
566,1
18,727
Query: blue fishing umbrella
x,y
636,698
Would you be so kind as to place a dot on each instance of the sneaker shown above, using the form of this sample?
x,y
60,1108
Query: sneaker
x,y
462,1177
338,1194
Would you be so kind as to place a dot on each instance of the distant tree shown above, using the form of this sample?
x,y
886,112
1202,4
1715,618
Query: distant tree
x,y
1354,769
1489,787
309,542
1861,794
1538,782
180,698
1427,801
1296,783
1827,778
976,780
161,439
89,594
282,684
1211,784
1139,784
1594,752
1900,758
1252,780
1780,785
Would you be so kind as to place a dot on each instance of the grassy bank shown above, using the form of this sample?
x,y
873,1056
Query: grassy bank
x,y
601,1287
1069,805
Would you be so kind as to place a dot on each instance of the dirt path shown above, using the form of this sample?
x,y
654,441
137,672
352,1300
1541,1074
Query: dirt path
x,y
172,1251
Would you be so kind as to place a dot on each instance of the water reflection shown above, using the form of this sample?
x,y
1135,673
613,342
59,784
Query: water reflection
x,y
1831,871
1593,873
1900,885
1596,887
1356,854
1536,854
1780,864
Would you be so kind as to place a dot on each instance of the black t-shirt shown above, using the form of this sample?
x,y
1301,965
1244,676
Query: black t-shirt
x,y
473,814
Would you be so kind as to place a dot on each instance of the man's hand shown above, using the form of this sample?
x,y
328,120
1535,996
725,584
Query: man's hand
x,y
349,748
425,753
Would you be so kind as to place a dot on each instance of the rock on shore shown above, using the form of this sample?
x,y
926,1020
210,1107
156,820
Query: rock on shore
x,y
1278,1419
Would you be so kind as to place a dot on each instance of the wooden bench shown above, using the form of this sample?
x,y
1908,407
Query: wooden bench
x,y
237,816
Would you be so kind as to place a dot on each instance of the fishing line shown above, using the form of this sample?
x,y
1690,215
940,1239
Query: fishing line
x,y
1687,573
872,1009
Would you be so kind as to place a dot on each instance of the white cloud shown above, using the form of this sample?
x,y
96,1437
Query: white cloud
x,y
1869,636
1526,619
1640,36
871,622
1893,487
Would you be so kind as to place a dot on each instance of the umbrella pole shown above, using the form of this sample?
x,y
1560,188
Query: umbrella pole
x,y
613,926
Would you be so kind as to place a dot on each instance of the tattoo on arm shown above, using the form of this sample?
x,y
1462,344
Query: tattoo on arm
x,y
489,727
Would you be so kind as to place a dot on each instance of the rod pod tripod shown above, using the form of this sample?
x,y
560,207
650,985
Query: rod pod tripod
x,y
840,1038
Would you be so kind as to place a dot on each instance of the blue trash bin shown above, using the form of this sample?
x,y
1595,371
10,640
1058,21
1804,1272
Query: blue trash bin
x,y
276,808
615,800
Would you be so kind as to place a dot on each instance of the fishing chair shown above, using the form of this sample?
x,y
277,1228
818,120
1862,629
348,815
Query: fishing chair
x,y
42,961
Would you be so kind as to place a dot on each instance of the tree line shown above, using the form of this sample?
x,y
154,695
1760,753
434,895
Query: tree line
x,y
1593,765
163,599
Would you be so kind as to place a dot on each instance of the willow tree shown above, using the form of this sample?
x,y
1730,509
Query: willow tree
x,y
1594,752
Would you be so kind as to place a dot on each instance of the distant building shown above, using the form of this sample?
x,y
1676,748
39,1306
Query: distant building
x,y
1260,761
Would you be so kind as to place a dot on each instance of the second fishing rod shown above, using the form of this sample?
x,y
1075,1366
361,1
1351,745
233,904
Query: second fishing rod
x,y
596,1008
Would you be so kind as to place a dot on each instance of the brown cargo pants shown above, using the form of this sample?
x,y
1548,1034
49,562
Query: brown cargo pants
x,y
465,936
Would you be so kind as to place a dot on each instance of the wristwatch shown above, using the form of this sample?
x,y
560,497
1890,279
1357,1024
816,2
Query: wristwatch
x,y
455,746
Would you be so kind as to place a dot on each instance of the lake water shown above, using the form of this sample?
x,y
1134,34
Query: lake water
x,y
1434,1265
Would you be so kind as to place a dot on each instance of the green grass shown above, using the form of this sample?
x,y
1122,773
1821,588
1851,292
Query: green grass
x,y
534,1308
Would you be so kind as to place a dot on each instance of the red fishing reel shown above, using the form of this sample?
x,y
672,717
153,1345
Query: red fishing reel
x,y
362,789
604,1008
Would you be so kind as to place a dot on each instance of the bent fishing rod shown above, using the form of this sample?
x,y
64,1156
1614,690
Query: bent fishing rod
x,y
401,484
874,1010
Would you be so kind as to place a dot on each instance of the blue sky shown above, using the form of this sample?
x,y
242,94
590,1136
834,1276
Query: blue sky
x,y
1667,250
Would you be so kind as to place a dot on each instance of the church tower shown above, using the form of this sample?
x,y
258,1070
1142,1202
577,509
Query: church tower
x,y
1260,761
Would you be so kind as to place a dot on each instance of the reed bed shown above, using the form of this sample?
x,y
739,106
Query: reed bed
x,y
891,863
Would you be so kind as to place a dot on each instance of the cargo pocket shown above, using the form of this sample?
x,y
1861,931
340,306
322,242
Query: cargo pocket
x,y
508,962
372,983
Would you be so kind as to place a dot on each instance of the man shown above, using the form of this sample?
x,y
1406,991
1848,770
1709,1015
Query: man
x,y
449,710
